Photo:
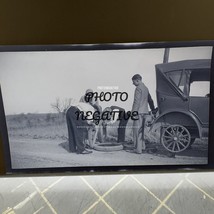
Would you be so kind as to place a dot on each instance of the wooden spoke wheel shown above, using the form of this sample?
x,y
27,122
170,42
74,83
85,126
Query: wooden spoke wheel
x,y
175,138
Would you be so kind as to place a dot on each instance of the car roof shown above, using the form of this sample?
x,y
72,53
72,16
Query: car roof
x,y
193,65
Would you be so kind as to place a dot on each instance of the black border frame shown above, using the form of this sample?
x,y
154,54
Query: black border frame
x,y
111,169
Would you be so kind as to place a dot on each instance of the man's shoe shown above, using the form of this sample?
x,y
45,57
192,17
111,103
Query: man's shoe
x,y
151,150
130,150
133,151
84,152
88,147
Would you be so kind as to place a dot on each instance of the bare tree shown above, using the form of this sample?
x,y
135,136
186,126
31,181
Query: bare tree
x,y
66,103
56,105
61,106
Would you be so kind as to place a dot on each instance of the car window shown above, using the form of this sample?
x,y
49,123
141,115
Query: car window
x,y
180,78
200,89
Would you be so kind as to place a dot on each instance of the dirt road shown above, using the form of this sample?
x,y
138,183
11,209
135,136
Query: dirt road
x,y
42,153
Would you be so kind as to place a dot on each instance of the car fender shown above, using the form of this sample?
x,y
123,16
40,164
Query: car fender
x,y
167,114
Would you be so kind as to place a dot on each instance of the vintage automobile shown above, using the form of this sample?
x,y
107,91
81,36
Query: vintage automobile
x,y
183,116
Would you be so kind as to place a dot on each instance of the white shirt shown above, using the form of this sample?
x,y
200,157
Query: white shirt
x,y
85,107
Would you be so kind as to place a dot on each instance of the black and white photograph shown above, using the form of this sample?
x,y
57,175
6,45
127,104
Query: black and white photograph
x,y
107,107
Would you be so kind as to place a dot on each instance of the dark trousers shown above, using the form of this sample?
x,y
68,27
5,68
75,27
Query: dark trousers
x,y
138,133
122,129
76,130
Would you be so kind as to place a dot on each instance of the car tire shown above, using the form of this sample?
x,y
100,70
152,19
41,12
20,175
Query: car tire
x,y
108,147
175,138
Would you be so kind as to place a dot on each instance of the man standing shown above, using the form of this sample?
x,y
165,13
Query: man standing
x,y
140,105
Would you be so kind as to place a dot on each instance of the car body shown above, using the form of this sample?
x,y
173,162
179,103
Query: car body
x,y
183,116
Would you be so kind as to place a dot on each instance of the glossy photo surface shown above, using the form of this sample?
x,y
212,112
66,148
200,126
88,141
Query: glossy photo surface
x,y
106,107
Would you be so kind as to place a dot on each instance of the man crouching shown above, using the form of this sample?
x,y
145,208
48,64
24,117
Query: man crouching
x,y
77,126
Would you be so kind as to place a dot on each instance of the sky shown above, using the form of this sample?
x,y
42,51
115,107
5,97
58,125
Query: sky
x,y
31,81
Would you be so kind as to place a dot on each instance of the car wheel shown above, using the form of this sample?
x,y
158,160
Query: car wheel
x,y
175,138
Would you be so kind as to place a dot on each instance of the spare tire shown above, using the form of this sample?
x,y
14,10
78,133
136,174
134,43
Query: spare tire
x,y
108,147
